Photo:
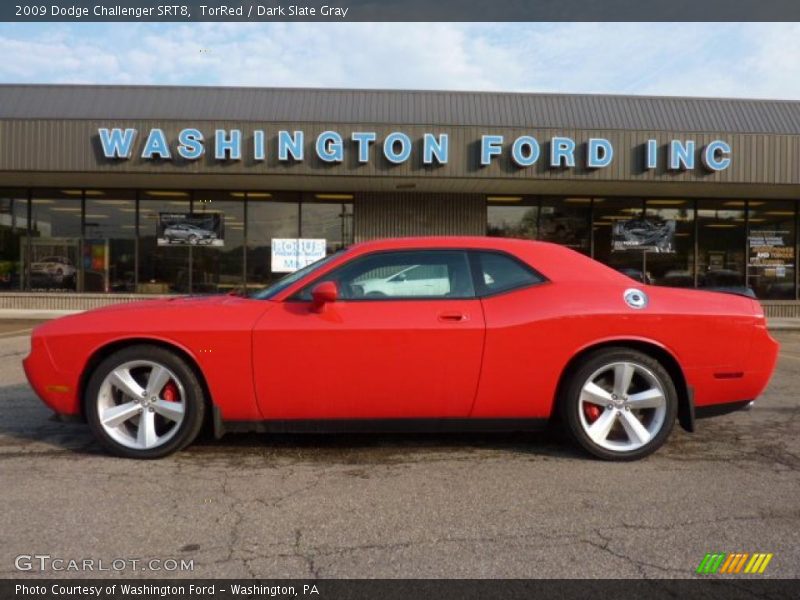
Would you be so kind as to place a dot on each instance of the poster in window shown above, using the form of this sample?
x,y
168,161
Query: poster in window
x,y
643,234
190,229
770,249
291,254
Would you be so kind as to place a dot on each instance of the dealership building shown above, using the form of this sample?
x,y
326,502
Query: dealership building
x,y
113,193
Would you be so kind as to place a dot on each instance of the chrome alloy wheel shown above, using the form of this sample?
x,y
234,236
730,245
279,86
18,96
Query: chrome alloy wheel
x,y
141,404
622,406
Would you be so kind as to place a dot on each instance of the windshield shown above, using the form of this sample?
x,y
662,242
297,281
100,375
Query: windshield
x,y
280,285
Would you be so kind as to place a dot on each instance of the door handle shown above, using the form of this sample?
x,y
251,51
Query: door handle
x,y
453,317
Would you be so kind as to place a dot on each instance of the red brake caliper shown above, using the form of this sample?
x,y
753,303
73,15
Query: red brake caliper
x,y
170,392
592,411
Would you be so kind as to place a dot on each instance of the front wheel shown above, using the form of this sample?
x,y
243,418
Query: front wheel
x,y
144,402
619,404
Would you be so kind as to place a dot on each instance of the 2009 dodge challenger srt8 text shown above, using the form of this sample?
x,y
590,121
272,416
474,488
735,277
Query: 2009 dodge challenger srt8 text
x,y
458,333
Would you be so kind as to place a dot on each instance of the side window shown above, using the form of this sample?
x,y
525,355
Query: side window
x,y
402,275
501,273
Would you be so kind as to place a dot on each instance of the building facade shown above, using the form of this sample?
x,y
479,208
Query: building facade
x,y
111,193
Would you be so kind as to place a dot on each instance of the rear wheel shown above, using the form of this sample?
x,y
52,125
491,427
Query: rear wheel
x,y
619,404
144,402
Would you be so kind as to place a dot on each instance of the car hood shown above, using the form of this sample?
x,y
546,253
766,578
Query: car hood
x,y
157,315
178,302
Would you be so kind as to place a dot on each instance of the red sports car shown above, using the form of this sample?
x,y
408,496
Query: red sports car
x,y
459,333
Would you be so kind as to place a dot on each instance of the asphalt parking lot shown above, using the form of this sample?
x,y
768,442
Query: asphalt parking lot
x,y
402,505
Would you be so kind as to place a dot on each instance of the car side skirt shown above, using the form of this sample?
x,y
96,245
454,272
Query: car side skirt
x,y
716,410
380,425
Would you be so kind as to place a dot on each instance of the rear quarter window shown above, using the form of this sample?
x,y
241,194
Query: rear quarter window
x,y
498,272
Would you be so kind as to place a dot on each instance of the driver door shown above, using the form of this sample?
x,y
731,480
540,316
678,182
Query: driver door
x,y
376,352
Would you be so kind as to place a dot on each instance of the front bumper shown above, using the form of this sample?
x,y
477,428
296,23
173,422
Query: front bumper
x,y
57,389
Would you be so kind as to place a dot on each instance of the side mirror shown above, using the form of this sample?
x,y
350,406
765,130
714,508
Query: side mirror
x,y
324,292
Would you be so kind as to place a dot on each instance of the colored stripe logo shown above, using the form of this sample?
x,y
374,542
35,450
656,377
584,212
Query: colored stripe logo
x,y
723,563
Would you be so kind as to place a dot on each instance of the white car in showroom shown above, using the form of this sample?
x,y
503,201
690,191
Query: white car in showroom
x,y
416,280
56,268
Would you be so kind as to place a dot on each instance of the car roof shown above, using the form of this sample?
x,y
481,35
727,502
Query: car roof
x,y
453,241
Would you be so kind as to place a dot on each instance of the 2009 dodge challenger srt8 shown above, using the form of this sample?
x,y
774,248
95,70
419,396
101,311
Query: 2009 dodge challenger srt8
x,y
458,333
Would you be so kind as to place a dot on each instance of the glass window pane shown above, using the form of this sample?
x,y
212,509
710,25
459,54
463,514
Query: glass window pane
x,y
565,221
721,243
384,275
109,244
13,227
771,245
163,267
675,269
607,213
502,273
512,219
331,221
55,241
217,266
268,216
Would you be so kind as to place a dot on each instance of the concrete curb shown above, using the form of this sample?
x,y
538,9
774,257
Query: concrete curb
x,y
783,324
34,314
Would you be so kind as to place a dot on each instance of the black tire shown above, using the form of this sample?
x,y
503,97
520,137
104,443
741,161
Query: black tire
x,y
194,402
569,401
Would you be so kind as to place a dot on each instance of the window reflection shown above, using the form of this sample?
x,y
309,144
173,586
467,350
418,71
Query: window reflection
x,y
218,268
566,221
52,254
721,243
163,268
771,243
109,245
268,217
514,217
607,212
328,220
675,269
13,227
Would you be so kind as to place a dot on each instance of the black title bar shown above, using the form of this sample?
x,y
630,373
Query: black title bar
x,y
711,587
399,10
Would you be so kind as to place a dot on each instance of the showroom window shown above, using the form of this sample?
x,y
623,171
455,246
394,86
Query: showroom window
x,y
771,249
269,216
108,256
512,216
721,243
614,219
566,221
51,256
328,217
163,260
675,266
13,231
217,264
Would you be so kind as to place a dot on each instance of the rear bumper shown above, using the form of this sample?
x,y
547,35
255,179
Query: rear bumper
x,y
739,385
